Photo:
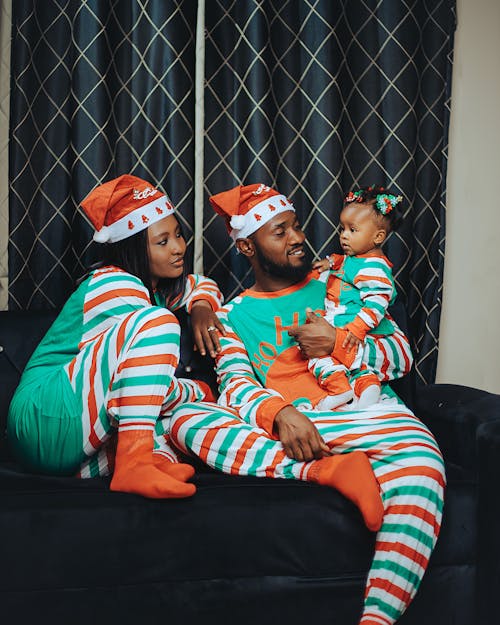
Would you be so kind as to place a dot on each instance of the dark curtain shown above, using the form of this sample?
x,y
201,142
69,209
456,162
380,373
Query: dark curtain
x,y
98,88
311,96
316,97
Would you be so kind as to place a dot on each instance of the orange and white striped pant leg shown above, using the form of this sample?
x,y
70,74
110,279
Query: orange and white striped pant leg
x,y
409,468
124,377
405,459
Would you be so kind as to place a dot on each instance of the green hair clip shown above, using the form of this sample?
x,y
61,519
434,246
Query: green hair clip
x,y
385,203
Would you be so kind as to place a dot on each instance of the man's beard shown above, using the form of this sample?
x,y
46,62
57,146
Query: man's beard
x,y
284,270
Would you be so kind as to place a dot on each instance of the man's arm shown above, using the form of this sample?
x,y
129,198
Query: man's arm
x,y
261,407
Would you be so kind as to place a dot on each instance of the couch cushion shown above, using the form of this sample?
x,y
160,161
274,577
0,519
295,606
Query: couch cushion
x,y
226,528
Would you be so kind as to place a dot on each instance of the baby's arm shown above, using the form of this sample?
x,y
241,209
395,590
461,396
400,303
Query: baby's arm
x,y
331,261
376,287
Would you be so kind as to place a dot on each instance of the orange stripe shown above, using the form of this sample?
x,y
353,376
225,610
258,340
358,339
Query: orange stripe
x,y
178,424
145,361
240,456
110,295
206,444
71,368
156,322
385,364
233,350
366,278
416,511
373,316
120,339
422,470
403,347
91,400
404,550
333,289
354,437
271,469
392,589
136,400
370,618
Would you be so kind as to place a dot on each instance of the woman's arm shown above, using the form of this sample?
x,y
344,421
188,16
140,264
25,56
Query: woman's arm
x,y
202,297
111,295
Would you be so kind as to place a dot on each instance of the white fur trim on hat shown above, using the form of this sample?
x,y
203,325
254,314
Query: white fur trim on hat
x,y
245,225
137,220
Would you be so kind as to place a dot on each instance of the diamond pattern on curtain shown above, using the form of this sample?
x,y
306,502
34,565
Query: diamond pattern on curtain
x,y
97,89
315,97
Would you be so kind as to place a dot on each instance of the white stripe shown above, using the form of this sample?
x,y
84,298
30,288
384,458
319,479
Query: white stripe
x,y
405,561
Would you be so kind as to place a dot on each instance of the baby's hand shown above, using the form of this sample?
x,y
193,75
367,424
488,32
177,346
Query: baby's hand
x,y
321,265
351,341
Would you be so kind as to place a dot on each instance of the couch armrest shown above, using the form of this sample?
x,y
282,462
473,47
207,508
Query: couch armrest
x,y
455,415
488,538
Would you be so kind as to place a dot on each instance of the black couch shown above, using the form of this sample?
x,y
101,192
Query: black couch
x,y
242,550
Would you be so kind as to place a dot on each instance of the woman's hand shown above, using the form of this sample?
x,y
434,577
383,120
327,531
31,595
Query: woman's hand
x,y
299,436
206,326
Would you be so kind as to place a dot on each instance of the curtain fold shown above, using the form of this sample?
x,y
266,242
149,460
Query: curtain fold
x,y
318,97
311,96
98,88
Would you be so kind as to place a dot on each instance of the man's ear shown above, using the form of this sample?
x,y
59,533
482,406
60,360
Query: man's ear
x,y
245,247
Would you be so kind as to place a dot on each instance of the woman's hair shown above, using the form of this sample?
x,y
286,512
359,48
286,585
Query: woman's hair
x,y
131,255
385,204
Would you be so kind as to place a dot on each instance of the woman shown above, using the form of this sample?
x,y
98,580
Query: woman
x,y
96,395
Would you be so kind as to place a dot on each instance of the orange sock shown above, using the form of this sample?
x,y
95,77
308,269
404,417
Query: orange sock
x,y
179,470
367,390
135,470
352,475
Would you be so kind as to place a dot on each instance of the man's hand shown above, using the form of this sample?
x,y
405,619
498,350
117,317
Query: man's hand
x,y
316,338
299,436
206,326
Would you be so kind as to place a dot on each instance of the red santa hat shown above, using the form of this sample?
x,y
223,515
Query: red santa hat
x,y
124,206
247,208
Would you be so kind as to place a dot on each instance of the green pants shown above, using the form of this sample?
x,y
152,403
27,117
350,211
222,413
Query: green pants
x,y
45,425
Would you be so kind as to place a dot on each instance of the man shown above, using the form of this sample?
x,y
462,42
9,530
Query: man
x,y
267,425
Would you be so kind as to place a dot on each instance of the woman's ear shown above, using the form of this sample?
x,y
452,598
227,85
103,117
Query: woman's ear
x,y
245,247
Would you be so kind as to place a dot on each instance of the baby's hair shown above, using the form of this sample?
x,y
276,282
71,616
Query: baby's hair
x,y
384,203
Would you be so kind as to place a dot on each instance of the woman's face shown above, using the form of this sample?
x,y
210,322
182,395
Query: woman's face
x,y
166,249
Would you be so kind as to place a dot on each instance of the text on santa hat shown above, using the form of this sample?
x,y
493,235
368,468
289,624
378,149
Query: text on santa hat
x,y
142,195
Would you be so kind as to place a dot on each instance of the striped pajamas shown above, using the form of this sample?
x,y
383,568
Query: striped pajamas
x,y
405,459
238,439
359,291
117,355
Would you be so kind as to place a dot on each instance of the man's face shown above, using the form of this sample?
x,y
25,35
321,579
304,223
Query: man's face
x,y
279,248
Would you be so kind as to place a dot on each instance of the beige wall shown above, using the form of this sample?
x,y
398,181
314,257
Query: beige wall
x,y
469,350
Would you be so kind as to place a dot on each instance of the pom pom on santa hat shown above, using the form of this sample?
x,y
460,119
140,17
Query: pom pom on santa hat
x,y
124,206
247,208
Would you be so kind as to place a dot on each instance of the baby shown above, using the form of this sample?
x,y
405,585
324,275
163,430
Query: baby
x,y
360,289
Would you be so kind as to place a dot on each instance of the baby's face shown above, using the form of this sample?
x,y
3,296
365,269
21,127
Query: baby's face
x,y
360,232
